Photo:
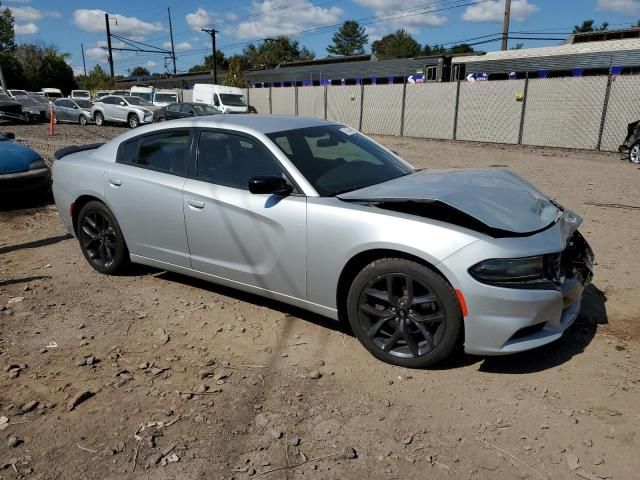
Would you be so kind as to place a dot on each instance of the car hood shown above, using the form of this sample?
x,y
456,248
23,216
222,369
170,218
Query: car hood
x,y
15,157
497,197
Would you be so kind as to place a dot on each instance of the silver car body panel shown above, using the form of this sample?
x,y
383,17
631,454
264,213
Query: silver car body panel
x,y
491,196
294,249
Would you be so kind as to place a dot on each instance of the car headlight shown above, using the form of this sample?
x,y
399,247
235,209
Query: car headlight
x,y
36,164
510,270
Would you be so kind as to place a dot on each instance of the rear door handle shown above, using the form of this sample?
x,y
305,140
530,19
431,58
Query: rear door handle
x,y
115,182
195,204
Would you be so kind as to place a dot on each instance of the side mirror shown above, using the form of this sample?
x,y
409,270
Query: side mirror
x,y
75,107
270,185
10,135
122,104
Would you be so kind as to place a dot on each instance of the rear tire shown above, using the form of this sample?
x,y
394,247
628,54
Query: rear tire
x,y
133,121
634,153
99,118
101,239
404,313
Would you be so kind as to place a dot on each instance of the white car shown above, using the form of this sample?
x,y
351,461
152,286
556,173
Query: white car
x,y
133,111
80,95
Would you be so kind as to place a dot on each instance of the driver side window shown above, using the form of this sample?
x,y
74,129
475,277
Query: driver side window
x,y
231,160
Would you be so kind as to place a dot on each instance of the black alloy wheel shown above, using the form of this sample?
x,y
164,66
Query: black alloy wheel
x,y
100,238
404,313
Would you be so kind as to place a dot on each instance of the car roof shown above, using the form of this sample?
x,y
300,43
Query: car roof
x,y
258,123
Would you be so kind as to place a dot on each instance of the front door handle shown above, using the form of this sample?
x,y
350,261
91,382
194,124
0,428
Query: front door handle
x,y
115,182
195,204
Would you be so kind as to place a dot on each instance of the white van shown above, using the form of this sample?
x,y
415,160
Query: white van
x,y
80,95
162,98
226,99
144,92
52,93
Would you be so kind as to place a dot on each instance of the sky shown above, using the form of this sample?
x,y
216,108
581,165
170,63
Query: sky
x,y
70,23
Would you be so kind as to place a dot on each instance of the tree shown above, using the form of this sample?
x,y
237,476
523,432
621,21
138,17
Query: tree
x,y
235,76
399,45
274,51
7,33
518,46
97,79
461,48
587,26
349,40
140,72
207,66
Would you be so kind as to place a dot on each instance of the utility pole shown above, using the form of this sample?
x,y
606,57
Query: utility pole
x,y
106,19
173,50
84,65
3,85
505,24
213,32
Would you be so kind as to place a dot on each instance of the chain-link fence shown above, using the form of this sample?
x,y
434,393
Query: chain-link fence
x,y
589,112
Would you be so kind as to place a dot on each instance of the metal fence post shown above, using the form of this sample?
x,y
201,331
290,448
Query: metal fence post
x,y
404,102
296,98
361,106
248,95
524,108
325,101
455,112
605,108
270,102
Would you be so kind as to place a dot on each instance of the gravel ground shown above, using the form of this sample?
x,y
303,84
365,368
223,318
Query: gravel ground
x,y
156,375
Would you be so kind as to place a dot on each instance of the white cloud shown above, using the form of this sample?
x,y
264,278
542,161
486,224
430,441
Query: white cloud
x,y
198,19
93,21
150,64
23,2
26,28
180,47
493,11
284,20
620,6
96,53
26,14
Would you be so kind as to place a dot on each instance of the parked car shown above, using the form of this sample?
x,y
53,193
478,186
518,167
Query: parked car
x,y
80,95
317,215
74,111
131,110
16,93
10,110
34,109
162,98
631,143
20,167
226,99
103,93
183,110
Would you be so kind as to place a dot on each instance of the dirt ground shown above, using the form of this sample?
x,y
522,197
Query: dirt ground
x,y
191,380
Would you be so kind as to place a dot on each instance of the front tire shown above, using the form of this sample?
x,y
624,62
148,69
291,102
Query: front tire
x,y
83,120
99,119
133,120
101,239
404,313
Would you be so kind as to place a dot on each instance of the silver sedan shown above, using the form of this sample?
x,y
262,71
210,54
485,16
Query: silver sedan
x,y
317,215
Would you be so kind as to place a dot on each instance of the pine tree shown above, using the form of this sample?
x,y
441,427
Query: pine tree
x,y
349,40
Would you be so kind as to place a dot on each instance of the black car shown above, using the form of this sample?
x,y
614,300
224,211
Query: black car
x,y
183,110
34,109
10,110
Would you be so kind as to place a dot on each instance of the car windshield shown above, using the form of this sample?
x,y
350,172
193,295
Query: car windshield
x,y
137,101
83,103
15,93
144,96
233,100
204,109
166,97
337,159
80,94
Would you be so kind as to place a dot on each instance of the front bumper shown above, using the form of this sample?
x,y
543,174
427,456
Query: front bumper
x,y
510,320
20,181
13,117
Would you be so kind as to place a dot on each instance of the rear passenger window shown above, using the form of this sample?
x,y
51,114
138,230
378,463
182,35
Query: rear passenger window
x,y
165,152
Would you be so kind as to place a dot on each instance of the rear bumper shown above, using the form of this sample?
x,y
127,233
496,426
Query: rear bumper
x,y
20,181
